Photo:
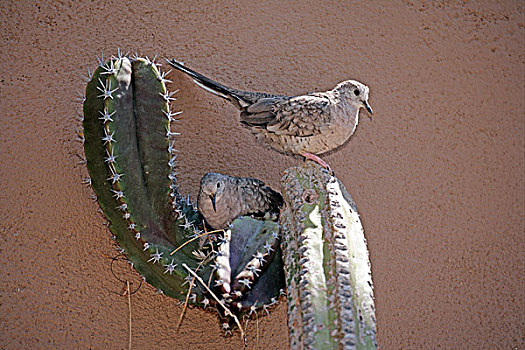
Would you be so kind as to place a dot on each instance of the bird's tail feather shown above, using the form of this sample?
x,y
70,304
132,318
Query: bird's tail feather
x,y
204,82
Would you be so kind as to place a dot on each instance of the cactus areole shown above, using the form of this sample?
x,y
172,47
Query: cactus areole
x,y
131,157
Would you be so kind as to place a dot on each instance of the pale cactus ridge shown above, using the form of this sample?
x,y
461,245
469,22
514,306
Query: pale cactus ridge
x,y
327,269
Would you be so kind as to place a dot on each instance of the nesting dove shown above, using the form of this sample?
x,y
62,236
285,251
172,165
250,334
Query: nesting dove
x,y
223,198
307,125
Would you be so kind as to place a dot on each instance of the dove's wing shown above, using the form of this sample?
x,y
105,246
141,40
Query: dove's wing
x,y
302,116
257,197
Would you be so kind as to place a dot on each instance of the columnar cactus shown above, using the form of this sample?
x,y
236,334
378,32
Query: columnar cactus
x,y
131,157
329,285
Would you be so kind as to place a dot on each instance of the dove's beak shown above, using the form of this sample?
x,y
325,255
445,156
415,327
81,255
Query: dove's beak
x,y
212,197
368,108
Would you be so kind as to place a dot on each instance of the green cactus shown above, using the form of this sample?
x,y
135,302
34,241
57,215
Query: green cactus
x,y
328,278
130,157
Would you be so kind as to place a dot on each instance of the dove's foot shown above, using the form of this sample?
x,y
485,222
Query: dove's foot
x,y
318,161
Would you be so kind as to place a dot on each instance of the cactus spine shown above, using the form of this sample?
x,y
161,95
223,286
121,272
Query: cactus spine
x,y
329,285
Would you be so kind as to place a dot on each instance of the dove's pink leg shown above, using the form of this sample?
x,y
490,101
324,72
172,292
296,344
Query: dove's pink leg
x,y
317,160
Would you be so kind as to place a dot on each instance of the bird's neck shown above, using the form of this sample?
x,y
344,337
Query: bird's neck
x,y
344,105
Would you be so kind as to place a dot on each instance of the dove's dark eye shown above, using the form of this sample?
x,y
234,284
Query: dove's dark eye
x,y
218,184
356,92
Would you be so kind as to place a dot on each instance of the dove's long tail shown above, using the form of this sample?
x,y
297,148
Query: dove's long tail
x,y
206,83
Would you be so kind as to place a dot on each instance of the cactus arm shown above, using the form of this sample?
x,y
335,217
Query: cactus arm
x,y
138,222
255,244
130,158
330,298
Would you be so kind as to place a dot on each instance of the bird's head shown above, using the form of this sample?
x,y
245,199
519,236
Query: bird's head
x,y
356,93
212,186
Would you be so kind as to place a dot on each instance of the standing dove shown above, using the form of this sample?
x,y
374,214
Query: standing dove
x,y
307,125
223,198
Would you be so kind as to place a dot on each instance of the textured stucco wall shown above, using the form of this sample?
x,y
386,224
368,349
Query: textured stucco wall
x,y
438,174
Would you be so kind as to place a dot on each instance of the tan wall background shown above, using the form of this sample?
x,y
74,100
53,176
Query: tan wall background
x,y
438,174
